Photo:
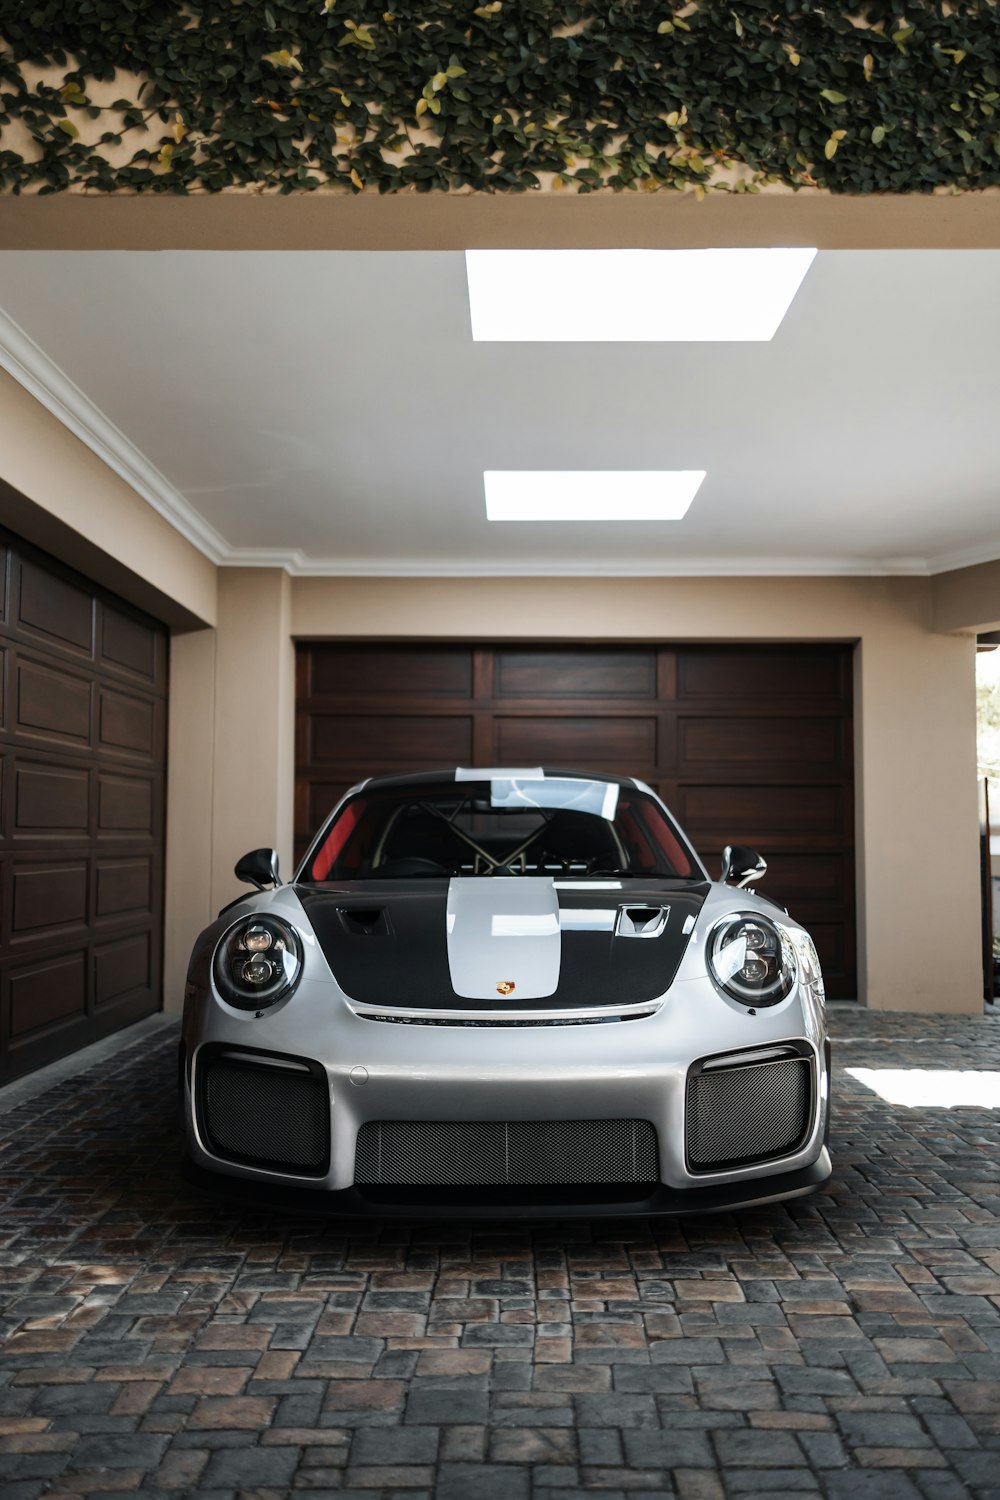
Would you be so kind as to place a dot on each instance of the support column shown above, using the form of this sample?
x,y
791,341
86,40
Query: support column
x,y
254,752
917,820
190,765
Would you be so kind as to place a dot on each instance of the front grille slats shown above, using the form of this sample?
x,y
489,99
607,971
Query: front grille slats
x,y
516,1153
264,1115
739,1115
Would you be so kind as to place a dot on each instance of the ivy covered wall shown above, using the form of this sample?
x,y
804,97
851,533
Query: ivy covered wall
x,y
506,95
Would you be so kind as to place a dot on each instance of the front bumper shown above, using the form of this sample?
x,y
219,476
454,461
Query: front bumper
x,y
508,1203
639,1069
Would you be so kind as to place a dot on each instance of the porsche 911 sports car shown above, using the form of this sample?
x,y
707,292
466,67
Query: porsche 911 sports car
x,y
506,991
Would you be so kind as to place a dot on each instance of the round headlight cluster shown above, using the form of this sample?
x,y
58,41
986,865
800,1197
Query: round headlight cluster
x,y
751,959
258,962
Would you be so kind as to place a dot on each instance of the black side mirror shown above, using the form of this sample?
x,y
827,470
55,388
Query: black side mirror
x,y
259,868
741,866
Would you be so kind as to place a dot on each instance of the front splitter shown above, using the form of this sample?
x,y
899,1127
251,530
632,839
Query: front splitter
x,y
510,1203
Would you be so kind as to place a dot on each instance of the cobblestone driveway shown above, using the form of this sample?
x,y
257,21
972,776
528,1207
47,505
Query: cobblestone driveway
x,y
846,1345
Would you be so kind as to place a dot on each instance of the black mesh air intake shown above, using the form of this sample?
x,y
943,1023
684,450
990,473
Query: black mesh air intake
x,y
739,1114
482,1153
264,1114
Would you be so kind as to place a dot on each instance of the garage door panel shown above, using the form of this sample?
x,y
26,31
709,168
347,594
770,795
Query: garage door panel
x,y
122,968
575,674
123,888
794,746
735,672
54,610
576,741
373,671
82,757
125,806
49,990
52,706
51,800
748,744
132,646
46,897
812,877
759,814
390,739
127,724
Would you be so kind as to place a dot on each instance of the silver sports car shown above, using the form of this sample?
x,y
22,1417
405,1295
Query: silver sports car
x,y
506,991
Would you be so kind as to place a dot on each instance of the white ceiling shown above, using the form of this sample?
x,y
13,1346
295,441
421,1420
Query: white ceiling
x,y
330,410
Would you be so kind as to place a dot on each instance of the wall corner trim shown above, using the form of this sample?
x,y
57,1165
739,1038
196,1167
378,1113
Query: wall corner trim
x,y
21,357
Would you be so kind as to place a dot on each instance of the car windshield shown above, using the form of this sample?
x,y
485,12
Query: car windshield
x,y
557,826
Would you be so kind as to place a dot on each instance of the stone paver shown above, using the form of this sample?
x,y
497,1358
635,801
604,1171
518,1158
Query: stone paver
x,y
160,1343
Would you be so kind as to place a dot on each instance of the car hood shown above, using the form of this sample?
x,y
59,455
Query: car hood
x,y
503,942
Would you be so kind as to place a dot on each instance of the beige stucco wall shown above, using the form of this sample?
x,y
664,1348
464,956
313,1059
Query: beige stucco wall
x,y
254,715
456,221
968,598
232,768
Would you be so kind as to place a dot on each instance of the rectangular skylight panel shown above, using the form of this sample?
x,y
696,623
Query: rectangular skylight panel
x,y
590,494
632,296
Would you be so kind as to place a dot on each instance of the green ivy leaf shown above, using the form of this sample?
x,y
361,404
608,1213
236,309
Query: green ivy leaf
x,y
567,87
283,59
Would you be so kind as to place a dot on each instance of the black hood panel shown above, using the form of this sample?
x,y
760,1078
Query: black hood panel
x,y
387,945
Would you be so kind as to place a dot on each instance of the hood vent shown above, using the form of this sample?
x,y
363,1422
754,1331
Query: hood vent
x,y
365,921
641,921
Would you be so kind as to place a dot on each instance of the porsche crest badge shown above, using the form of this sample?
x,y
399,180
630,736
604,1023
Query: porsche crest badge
x,y
505,986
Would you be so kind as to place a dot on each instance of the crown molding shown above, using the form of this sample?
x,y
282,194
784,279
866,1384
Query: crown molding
x,y
301,565
970,557
32,368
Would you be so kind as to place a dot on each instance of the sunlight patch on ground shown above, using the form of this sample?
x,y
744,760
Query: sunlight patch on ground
x,y
936,1088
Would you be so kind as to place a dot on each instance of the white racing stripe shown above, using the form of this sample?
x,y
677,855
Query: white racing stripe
x,y
499,773
587,919
503,930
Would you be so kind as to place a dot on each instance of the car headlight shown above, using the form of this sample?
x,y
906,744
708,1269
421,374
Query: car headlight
x,y
751,959
258,962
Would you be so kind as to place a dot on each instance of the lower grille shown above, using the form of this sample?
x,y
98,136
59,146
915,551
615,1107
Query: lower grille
x,y
741,1114
263,1114
483,1153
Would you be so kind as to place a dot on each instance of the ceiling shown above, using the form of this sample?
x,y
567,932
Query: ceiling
x,y
330,411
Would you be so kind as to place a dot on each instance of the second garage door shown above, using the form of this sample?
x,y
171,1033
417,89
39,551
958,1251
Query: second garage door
x,y
747,744
82,760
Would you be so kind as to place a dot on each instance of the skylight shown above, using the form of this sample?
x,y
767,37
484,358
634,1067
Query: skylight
x,y
629,296
590,494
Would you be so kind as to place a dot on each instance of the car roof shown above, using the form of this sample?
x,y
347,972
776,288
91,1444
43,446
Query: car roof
x,y
460,774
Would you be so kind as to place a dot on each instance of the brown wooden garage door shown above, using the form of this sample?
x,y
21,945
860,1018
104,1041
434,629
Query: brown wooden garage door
x,y
82,755
747,744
